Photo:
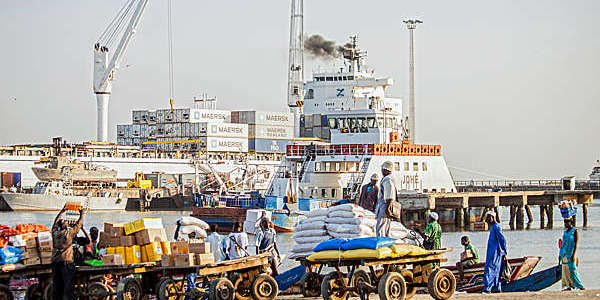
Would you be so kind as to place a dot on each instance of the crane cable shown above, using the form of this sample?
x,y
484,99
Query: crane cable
x,y
116,24
170,34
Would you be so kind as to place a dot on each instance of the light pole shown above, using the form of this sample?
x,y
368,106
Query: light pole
x,y
411,25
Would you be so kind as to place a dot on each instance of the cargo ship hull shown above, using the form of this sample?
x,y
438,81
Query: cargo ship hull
x,y
38,202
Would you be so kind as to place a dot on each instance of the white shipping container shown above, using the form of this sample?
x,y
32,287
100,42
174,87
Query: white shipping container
x,y
144,117
160,116
222,144
121,130
152,131
151,117
136,130
270,132
136,116
177,129
209,115
169,130
265,118
168,115
220,129
182,115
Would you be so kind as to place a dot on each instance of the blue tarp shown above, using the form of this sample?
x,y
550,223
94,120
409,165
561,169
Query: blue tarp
x,y
10,255
335,244
368,243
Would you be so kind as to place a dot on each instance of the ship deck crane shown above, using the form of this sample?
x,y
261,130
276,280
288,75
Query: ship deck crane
x,y
105,67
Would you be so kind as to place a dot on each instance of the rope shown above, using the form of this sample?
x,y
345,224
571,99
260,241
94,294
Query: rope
x,y
102,37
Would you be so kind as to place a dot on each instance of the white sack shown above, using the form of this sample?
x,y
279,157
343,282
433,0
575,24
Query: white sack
x,y
310,226
317,212
349,235
312,232
300,254
313,219
345,207
184,221
350,214
346,228
299,248
200,233
356,221
311,239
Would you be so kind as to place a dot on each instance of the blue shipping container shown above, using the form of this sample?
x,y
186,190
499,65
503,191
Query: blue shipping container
x,y
273,202
305,204
267,145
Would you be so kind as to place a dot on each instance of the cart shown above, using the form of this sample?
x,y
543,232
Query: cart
x,y
245,278
391,278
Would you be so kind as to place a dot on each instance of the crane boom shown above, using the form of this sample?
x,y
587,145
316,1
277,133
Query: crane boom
x,y
104,70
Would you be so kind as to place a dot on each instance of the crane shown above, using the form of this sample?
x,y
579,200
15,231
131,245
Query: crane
x,y
105,67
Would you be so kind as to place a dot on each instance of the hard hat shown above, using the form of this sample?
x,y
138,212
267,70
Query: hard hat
x,y
433,215
374,176
491,213
388,165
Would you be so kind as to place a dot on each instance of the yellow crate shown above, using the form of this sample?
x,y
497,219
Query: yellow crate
x,y
110,250
129,228
133,255
166,248
154,251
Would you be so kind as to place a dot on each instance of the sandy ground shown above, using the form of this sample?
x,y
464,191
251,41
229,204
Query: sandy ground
x,y
588,294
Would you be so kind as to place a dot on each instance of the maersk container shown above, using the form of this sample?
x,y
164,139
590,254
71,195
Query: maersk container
x,y
214,129
270,132
268,145
222,144
265,118
209,115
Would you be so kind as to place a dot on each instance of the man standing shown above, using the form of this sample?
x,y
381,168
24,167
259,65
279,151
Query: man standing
x,y
266,242
217,243
237,243
387,193
369,194
433,233
495,256
63,266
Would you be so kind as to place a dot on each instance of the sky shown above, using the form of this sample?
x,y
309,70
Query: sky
x,y
509,88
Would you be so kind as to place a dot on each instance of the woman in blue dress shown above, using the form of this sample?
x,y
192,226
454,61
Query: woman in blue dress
x,y
570,275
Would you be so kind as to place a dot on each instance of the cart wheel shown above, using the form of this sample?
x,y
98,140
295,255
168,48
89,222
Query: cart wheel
x,y
264,287
5,293
360,277
242,288
168,289
129,288
392,287
34,291
441,284
99,291
334,288
48,291
411,288
309,285
221,289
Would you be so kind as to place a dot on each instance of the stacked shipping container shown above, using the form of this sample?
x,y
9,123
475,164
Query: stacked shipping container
x,y
268,132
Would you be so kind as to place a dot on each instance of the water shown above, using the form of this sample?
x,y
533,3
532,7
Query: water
x,y
533,242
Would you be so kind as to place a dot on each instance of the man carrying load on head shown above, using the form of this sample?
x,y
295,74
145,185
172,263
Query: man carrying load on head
x,y
387,194
369,194
63,262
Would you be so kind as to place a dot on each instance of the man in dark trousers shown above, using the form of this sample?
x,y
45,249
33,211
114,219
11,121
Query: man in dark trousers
x,y
369,194
63,266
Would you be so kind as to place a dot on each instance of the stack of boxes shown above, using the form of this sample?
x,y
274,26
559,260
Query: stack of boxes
x,y
184,254
137,242
37,247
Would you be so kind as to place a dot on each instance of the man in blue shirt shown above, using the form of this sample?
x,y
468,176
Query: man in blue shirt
x,y
495,256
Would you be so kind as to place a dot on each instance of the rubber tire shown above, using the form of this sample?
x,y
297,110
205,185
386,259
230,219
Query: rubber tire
x,y
236,286
100,286
264,281
325,288
34,292
5,293
359,276
216,285
132,285
441,284
48,291
392,287
158,284
411,288
309,291
164,288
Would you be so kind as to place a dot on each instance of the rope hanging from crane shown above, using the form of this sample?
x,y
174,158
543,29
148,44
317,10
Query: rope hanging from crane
x,y
170,35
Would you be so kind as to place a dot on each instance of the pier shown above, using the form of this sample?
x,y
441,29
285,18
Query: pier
x,y
519,203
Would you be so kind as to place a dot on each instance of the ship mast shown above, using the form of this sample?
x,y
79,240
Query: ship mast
x,y
411,25
295,97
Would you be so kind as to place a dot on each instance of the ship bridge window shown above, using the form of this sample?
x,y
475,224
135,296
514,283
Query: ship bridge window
x,y
321,78
416,166
335,78
323,193
389,123
333,123
310,94
328,78
333,192
350,77
362,124
406,166
397,166
424,166
371,122
352,125
345,78
338,166
317,167
327,167
340,78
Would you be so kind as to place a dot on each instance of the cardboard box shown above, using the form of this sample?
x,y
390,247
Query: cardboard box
x,y
133,255
153,251
31,243
127,241
199,248
147,236
144,223
45,246
45,260
120,251
180,247
30,253
46,254
183,260
32,261
17,241
166,248
167,261
144,254
110,250
45,236
112,259
203,259
114,229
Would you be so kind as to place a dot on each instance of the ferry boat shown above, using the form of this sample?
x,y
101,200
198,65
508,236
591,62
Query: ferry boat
x,y
364,127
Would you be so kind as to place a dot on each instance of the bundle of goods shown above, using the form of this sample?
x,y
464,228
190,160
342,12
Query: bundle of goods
x,y
145,241
310,232
567,208
350,221
71,215
253,217
28,244
364,248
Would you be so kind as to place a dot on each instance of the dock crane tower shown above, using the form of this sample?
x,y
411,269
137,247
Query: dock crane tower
x,y
104,69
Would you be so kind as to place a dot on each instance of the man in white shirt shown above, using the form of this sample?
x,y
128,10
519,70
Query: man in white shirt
x,y
237,243
387,193
217,243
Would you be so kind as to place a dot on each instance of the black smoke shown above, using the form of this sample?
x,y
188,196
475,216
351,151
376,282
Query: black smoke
x,y
318,46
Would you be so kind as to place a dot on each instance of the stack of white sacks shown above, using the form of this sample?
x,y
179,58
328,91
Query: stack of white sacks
x,y
341,221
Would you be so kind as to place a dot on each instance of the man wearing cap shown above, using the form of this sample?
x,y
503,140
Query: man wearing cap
x,y
387,193
495,256
433,233
369,194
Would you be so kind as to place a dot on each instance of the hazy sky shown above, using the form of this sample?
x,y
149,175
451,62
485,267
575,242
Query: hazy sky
x,y
508,88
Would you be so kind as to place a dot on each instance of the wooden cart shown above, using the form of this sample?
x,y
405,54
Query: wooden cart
x,y
391,278
245,278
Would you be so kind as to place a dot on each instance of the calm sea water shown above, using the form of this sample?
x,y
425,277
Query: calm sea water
x,y
533,242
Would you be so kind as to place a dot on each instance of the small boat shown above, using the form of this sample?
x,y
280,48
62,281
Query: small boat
x,y
473,276
285,220
534,282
